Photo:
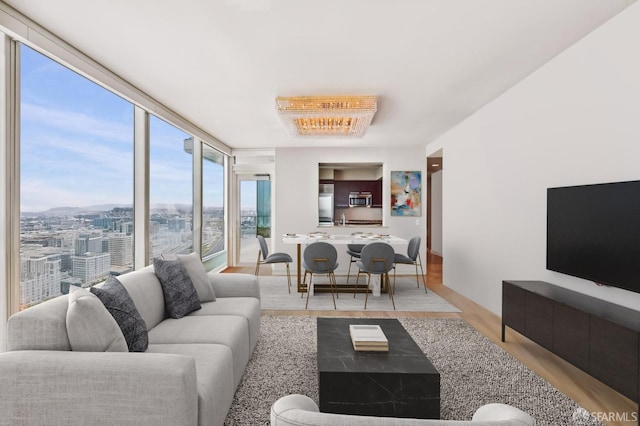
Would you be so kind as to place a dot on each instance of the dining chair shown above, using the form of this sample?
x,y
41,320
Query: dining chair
x,y
320,258
377,259
353,250
265,258
412,258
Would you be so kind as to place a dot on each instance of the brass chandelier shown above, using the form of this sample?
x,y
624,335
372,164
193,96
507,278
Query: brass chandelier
x,y
327,116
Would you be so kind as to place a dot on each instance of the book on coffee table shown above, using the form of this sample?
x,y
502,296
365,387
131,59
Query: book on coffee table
x,y
366,337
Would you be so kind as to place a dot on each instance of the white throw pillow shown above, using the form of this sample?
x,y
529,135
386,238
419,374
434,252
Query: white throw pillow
x,y
198,275
90,326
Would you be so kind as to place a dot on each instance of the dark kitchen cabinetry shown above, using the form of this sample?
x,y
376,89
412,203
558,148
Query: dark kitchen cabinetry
x,y
376,193
342,188
341,193
599,337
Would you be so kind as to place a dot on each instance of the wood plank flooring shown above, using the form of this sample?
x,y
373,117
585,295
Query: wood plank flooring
x,y
610,406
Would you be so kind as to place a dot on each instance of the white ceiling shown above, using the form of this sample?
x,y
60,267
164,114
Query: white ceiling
x,y
221,64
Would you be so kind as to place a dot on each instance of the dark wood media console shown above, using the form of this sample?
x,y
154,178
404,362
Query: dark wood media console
x,y
599,337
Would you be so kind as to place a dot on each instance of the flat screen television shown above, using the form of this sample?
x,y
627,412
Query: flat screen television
x,y
593,232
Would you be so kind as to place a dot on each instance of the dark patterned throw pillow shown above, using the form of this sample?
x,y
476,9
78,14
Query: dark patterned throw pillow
x,y
116,299
180,295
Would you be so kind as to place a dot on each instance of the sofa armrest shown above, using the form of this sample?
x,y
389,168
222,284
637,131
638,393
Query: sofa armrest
x,y
234,285
82,388
496,412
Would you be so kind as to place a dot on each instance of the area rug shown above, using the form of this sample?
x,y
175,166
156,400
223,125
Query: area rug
x,y
408,298
473,371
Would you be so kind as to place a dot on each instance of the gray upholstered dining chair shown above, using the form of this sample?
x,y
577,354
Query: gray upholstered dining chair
x,y
377,259
265,258
353,250
320,258
412,258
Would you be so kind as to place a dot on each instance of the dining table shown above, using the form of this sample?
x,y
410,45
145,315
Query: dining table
x,y
338,240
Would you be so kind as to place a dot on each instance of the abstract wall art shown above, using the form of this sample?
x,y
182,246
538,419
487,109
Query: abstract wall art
x,y
406,193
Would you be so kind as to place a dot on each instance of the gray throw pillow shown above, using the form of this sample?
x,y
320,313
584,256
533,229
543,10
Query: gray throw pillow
x,y
119,304
90,326
180,295
198,275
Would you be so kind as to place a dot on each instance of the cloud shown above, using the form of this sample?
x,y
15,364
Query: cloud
x,y
71,122
73,159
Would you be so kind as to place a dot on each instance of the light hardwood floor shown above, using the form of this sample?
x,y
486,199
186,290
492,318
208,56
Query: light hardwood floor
x,y
597,398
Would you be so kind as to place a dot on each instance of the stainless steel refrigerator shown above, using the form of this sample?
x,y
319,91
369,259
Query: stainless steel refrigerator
x,y
325,205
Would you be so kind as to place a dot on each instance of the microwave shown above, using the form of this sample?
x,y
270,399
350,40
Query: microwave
x,y
359,199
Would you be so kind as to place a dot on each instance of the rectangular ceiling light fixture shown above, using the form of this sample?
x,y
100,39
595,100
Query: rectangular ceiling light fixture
x,y
327,116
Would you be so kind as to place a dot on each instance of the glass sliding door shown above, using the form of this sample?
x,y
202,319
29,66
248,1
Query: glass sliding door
x,y
263,210
255,216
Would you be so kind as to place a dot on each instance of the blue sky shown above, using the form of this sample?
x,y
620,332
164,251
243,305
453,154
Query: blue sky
x,y
77,145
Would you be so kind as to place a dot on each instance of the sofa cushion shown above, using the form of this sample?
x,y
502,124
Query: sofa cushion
x,y
198,275
119,304
214,367
246,307
228,330
90,326
234,285
146,292
180,295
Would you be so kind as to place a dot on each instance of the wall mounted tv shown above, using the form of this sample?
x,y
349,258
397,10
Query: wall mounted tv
x,y
593,232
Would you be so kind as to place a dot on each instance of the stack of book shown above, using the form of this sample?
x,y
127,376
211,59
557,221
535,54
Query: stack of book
x,y
367,337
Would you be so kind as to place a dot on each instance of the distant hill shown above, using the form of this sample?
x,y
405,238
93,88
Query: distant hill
x,y
99,208
74,211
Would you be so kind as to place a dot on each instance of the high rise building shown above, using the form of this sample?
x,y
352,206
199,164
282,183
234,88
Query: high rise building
x,y
88,243
121,249
176,224
40,278
91,267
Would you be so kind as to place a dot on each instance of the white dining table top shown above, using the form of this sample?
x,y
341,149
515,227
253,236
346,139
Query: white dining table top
x,y
353,238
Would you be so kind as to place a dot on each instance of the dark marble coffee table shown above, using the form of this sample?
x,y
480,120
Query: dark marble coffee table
x,y
398,383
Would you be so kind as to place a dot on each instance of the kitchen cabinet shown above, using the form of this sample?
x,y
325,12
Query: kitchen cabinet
x,y
376,191
342,188
341,193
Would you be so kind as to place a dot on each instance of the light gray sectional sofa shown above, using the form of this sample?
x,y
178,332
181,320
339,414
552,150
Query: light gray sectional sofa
x,y
300,410
187,375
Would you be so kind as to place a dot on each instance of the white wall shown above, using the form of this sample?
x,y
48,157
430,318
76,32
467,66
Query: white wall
x,y
574,121
436,212
296,198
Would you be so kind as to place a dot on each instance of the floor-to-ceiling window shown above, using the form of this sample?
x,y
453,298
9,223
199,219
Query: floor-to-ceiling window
x,y
213,218
76,180
170,189
75,189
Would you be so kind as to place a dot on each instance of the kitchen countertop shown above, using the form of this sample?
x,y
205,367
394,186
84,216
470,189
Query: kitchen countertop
x,y
353,225
353,222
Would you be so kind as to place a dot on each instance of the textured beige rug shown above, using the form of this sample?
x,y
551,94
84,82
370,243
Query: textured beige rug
x,y
473,371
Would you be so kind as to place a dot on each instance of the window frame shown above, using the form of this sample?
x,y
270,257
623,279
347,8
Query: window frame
x,y
16,28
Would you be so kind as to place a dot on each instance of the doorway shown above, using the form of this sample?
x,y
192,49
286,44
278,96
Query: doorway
x,y
254,216
434,215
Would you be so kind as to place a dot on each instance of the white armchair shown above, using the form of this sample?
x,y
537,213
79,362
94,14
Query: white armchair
x,y
300,410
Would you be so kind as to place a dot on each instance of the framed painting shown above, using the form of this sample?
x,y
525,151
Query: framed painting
x,y
406,193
